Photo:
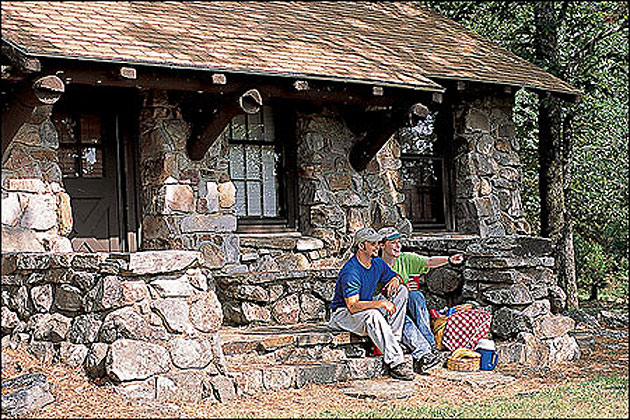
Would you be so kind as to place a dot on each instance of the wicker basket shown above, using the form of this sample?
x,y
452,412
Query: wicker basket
x,y
467,364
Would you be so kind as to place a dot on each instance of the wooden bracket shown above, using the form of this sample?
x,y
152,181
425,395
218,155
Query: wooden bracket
x,y
380,127
44,91
205,133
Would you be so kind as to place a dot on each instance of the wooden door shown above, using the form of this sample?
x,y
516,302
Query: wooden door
x,y
91,156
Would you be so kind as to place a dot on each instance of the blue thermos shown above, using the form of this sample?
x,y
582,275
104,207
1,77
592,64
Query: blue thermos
x,y
489,355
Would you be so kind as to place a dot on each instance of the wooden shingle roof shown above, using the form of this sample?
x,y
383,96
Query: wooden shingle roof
x,y
384,43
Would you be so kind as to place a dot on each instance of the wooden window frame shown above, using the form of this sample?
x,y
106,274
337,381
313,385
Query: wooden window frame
x,y
443,130
284,145
78,146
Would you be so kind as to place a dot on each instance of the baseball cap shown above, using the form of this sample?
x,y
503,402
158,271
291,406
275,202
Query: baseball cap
x,y
366,234
390,233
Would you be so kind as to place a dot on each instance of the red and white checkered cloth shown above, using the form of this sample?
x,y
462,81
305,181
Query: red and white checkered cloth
x,y
466,328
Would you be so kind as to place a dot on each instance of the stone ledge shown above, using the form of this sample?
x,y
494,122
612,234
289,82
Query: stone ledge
x,y
268,276
267,339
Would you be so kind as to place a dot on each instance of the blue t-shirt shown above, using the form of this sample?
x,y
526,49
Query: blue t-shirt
x,y
355,279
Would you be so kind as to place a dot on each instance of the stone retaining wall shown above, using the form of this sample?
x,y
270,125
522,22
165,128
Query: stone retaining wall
x,y
510,276
147,321
513,278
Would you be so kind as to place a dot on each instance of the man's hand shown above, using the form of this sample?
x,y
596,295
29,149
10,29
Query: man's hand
x,y
456,259
391,288
387,305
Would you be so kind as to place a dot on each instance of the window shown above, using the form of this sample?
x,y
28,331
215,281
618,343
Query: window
x,y
257,164
423,174
80,145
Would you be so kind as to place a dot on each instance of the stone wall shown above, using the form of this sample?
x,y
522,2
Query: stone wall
x,y
184,202
188,204
146,321
36,213
335,200
513,278
487,166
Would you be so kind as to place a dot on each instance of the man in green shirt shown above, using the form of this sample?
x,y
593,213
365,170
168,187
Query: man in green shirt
x,y
405,264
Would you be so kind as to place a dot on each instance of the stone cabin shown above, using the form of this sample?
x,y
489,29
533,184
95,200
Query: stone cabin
x,y
170,169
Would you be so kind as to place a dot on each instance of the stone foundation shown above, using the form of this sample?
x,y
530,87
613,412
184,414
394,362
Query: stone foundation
x,y
146,321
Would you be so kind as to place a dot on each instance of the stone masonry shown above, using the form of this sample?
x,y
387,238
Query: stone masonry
x,y
147,321
36,212
287,278
487,166
185,202
513,278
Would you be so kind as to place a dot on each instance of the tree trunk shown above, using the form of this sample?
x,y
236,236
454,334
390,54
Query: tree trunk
x,y
568,276
555,223
593,296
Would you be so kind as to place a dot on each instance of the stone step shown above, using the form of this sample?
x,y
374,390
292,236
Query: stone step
x,y
279,357
276,343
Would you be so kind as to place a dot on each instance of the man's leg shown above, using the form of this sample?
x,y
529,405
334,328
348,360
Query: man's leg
x,y
417,308
414,340
371,323
397,320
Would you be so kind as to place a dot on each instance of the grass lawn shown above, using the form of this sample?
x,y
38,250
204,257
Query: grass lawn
x,y
600,397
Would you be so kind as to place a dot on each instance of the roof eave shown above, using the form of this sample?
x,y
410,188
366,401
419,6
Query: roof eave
x,y
435,87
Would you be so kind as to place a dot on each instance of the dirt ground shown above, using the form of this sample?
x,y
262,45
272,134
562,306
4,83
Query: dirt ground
x,y
77,396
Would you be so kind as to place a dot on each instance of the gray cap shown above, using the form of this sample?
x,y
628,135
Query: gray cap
x,y
390,233
366,234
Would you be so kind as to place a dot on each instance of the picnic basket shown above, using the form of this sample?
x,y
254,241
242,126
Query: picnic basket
x,y
464,360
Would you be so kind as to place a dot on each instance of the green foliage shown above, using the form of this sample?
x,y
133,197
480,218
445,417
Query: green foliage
x,y
602,397
593,57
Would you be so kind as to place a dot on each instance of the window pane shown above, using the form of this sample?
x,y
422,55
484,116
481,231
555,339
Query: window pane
x,y
68,161
239,206
419,139
270,189
239,132
65,126
253,119
90,129
255,127
92,163
237,166
270,134
252,162
253,199
255,165
256,132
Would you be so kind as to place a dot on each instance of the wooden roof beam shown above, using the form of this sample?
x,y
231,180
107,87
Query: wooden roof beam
x,y
187,80
21,64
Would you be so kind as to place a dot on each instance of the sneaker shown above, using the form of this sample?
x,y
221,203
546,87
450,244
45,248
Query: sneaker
x,y
402,372
428,362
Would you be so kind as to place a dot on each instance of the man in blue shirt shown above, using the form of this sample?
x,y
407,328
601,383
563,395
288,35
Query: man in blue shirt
x,y
353,308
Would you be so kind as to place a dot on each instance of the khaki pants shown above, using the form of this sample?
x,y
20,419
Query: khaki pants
x,y
384,330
